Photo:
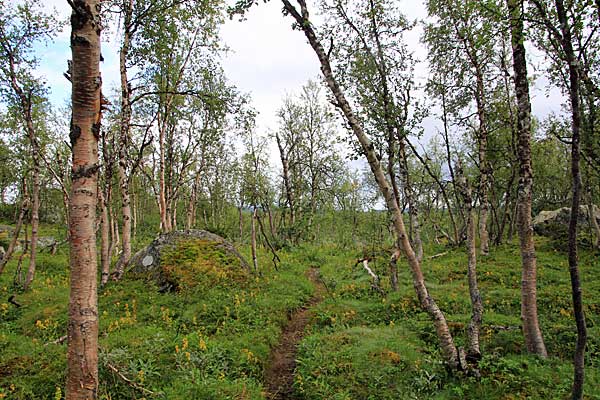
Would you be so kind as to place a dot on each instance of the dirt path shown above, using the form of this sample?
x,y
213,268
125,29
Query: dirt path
x,y
279,377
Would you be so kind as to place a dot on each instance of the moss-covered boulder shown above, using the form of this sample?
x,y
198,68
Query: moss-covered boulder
x,y
556,223
179,260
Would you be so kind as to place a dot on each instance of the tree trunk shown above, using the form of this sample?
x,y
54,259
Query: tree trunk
x,y
394,270
253,241
413,210
11,246
124,141
531,329
573,65
592,218
449,350
473,350
82,351
289,194
134,219
104,240
126,229
162,201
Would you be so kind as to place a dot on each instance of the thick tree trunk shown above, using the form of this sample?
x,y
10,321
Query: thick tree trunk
x,y
573,65
82,351
531,329
449,350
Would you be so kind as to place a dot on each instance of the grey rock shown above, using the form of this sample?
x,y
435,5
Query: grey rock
x,y
556,223
147,261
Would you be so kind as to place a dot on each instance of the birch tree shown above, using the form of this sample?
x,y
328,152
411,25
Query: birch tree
x,y
82,350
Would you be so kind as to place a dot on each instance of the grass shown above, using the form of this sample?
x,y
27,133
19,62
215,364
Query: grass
x,y
209,340
364,346
212,337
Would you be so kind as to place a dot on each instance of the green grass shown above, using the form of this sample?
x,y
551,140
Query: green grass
x,y
344,357
211,339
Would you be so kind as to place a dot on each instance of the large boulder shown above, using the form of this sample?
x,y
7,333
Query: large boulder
x,y
179,259
556,223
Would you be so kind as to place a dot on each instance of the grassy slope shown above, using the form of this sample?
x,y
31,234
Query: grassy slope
x,y
211,341
366,347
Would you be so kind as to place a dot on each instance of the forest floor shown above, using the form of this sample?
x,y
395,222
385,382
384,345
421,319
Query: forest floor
x,y
280,372
222,335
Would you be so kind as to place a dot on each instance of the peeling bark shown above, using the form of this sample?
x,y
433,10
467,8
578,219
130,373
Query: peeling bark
x,y
531,329
82,351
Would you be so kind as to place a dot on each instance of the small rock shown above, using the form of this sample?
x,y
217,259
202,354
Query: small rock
x,y
147,261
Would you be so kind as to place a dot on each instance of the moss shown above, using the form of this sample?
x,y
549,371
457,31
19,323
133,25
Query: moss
x,y
191,262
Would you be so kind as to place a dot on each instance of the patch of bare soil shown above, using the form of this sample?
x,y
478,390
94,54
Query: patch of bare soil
x,y
279,377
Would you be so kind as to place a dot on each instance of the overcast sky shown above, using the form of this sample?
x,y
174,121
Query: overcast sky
x,y
267,59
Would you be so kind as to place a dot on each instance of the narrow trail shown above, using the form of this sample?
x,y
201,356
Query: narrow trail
x,y
279,377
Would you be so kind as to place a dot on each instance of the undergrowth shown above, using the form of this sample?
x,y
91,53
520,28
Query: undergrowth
x,y
211,338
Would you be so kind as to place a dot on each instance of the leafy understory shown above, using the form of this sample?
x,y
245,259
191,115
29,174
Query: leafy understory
x,y
212,338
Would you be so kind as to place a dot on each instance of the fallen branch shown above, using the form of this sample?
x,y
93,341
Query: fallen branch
x,y
60,340
369,270
438,255
12,300
127,380
375,285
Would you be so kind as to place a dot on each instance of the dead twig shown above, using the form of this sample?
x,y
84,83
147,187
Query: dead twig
x,y
60,340
127,380
438,255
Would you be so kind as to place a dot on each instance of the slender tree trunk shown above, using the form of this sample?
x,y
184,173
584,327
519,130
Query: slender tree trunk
x,y
413,210
162,201
253,241
513,220
126,230
104,240
134,210
593,221
26,108
124,141
35,203
507,208
13,243
271,223
289,194
531,329
82,350
449,350
573,65
473,350
394,270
